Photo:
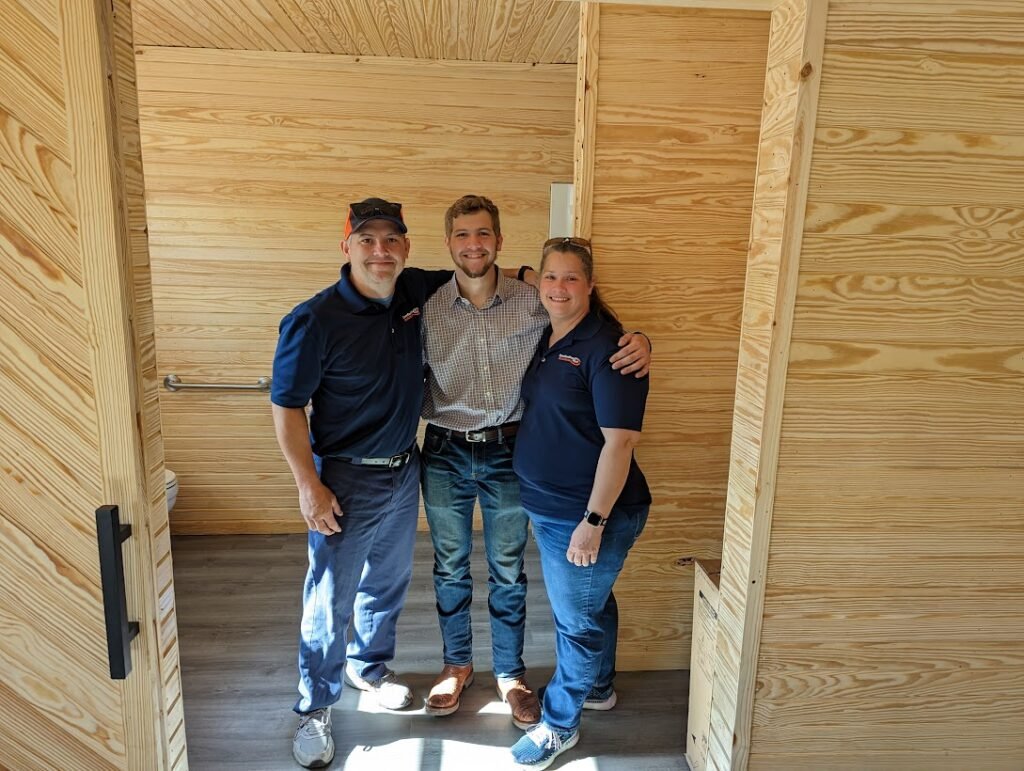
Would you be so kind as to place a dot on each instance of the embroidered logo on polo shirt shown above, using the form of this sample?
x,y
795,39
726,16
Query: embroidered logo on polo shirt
x,y
411,314
570,359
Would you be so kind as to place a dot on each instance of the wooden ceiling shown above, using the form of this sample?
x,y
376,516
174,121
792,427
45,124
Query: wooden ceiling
x,y
475,30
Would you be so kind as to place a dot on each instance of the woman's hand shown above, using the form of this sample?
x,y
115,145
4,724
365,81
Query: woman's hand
x,y
584,545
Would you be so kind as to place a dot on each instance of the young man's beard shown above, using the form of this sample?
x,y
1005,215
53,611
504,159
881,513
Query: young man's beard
x,y
487,267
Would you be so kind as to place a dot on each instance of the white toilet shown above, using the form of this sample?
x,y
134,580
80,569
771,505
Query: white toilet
x,y
171,480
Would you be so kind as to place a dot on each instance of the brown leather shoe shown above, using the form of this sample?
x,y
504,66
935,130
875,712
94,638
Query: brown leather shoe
x,y
446,690
522,700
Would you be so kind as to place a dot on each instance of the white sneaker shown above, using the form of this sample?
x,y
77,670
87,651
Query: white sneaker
x,y
391,692
313,745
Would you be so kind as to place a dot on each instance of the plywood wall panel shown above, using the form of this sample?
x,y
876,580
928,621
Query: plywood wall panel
x,y
978,28
674,151
671,114
857,96
851,160
30,69
908,758
723,39
928,309
250,161
895,605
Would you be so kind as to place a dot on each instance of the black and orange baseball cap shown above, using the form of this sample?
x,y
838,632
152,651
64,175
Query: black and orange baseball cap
x,y
373,209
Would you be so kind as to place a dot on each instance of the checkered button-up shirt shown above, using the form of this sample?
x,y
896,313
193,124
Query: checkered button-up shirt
x,y
476,357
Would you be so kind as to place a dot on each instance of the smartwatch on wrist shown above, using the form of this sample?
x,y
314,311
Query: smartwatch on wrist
x,y
594,518
522,271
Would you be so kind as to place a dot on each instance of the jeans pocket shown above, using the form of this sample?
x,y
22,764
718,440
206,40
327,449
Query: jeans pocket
x,y
439,469
641,521
433,444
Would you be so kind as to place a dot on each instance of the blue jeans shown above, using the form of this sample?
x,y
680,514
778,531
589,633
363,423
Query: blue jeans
x,y
582,602
455,474
360,575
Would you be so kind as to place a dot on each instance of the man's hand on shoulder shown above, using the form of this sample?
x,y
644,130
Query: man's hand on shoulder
x,y
634,355
320,508
524,273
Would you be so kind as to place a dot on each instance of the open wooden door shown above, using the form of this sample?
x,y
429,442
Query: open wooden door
x,y
79,423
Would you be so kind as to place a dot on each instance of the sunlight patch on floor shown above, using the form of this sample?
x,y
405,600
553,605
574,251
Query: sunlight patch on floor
x,y
495,707
444,755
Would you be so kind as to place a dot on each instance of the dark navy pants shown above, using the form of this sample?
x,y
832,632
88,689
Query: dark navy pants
x,y
360,575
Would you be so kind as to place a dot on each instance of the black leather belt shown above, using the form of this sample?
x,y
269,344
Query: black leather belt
x,y
395,461
493,434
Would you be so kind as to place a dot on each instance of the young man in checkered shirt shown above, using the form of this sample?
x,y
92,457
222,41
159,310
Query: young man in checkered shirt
x,y
480,331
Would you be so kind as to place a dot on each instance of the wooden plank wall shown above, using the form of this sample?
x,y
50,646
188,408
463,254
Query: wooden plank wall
x,y
894,611
76,431
158,529
250,161
677,118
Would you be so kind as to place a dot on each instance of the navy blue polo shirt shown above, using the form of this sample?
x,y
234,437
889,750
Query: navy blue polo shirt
x,y
570,392
361,364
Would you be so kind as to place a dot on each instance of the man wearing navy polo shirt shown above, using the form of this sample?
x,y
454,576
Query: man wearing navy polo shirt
x,y
354,351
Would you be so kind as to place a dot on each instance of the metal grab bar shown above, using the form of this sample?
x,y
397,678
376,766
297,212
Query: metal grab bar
x,y
173,383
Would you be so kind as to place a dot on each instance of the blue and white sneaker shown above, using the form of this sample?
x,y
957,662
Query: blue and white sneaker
x,y
541,745
602,699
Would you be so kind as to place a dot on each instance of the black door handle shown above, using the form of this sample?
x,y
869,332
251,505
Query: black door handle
x,y
110,534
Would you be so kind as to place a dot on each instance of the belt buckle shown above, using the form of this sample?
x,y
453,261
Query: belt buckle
x,y
476,436
397,461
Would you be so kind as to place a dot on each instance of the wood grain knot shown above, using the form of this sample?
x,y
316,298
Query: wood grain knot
x,y
806,70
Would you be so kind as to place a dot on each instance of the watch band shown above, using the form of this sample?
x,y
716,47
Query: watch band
x,y
594,518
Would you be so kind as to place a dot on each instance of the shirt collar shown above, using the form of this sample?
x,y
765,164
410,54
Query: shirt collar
x,y
350,295
589,326
451,295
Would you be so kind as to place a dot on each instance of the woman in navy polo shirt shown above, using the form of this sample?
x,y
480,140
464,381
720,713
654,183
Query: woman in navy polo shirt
x,y
586,497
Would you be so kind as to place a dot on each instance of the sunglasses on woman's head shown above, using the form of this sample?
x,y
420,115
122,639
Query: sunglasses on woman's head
x,y
563,241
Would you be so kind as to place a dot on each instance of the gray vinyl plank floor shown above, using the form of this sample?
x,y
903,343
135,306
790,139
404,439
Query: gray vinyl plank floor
x,y
238,601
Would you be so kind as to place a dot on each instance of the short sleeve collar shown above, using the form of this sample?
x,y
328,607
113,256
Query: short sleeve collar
x,y
354,301
586,329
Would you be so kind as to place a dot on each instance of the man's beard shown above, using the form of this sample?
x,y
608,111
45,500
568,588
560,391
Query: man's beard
x,y
487,267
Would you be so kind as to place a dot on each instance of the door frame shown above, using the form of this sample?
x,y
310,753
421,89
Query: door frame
x,y
98,65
